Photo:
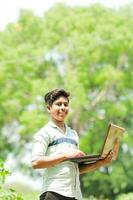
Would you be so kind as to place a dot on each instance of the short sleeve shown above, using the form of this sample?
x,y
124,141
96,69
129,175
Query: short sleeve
x,y
40,144
77,138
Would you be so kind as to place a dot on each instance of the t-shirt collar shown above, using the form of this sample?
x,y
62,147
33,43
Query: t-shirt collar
x,y
55,126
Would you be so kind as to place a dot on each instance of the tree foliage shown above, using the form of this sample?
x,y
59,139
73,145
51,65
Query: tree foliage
x,y
6,194
87,51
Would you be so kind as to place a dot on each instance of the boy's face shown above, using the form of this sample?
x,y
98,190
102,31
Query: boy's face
x,y
59,109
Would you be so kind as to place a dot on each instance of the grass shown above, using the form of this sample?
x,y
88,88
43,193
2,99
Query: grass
x,y
31,196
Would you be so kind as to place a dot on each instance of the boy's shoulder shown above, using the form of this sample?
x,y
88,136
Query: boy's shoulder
x,y
42,130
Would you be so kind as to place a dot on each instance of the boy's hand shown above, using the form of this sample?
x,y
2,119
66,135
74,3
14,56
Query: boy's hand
x,y
108,158
75,154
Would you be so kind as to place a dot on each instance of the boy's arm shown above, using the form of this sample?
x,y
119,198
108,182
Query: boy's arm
x,y
49,161
84,168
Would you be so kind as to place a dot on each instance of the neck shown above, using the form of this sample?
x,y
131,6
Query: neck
x,y
60,124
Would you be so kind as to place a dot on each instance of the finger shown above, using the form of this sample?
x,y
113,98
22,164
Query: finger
x,y
111,152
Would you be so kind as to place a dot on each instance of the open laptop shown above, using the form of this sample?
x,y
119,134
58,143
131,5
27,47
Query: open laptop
x,y
111,142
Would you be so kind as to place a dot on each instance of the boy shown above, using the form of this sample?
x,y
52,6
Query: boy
x,y
53,145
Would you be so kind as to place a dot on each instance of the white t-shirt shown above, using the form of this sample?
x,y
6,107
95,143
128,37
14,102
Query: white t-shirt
x,y
62,178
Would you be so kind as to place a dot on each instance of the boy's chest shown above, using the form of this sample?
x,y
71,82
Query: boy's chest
x,y
62,142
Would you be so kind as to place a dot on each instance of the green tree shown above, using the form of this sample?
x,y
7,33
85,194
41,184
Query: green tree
x,y
86,50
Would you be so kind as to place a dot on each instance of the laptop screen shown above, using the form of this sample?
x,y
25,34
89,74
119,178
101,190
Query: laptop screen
x,y
112,140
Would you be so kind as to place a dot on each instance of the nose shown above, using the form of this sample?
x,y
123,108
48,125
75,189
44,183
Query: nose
x,y
62,107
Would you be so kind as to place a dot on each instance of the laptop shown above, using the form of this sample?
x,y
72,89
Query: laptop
x,y
111,142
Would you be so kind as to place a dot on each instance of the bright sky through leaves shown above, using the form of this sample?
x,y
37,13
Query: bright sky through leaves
x,y
9,9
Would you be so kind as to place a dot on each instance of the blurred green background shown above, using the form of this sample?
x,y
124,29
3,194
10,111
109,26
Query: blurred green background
x,y
87,51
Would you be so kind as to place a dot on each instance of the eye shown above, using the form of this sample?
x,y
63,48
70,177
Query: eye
x,y
58,104
65,104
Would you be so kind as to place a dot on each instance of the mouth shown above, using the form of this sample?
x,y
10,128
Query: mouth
x,y
62,114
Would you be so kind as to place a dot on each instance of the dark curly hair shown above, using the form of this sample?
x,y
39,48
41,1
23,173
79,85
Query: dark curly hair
x,y
53,95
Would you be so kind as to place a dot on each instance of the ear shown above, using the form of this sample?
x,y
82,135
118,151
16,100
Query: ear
x,y
48,109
